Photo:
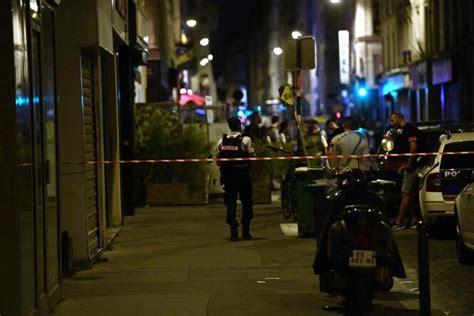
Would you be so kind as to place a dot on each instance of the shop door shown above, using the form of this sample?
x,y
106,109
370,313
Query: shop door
x,y
90,145
45,168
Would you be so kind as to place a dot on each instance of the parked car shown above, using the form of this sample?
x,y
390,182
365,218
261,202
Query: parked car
x,y
446,176
464,213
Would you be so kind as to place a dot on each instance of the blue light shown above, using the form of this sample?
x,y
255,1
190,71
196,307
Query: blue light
x,y
21,101
241,113
200,112
362,92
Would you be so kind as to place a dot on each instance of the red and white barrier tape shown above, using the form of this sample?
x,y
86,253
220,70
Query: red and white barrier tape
x,y
159,161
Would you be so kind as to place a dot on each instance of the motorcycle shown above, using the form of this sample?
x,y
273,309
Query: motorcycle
x,y
357,254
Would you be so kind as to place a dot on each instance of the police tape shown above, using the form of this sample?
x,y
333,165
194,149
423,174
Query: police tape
x,y
279,158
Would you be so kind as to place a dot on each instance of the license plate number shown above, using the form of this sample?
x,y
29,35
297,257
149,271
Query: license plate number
x,y
362,259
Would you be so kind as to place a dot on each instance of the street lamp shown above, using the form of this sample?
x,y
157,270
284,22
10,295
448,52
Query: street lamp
x,y
296,34
362,92
204,42
204,62
210,57
191,23
277,51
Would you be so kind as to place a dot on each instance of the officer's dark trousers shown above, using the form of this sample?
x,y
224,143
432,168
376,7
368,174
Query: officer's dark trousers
x,y
237,182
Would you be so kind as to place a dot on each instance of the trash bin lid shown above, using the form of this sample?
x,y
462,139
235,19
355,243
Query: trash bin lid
x,y
301,169
322,182
309,169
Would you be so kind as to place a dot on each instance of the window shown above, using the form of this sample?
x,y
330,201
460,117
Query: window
x,y
376,17
458,161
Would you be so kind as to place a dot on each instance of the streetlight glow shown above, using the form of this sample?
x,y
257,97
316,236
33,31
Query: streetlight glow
x,y
277,51
335,1
191,23
362,92
296,34
204,62
210,57
204,41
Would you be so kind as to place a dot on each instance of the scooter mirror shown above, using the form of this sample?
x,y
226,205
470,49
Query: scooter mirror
x,y
387,144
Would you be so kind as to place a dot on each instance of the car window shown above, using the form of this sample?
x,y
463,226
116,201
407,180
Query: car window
x,y
458,161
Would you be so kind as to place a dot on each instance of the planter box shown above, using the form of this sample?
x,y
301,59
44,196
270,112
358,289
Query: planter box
x,y
174,194
262,193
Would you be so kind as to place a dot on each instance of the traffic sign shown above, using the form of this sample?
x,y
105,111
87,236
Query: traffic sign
x,y
287,95
208,100
299,54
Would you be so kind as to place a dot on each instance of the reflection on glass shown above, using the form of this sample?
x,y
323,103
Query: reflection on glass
x,y
24,154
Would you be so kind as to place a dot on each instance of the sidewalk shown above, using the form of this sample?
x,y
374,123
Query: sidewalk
x,y
179,261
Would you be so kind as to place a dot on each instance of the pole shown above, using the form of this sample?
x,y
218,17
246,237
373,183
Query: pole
x,y
297,109
424,269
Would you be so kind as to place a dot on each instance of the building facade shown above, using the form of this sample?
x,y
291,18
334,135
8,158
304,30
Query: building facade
x,y
67,83
426,65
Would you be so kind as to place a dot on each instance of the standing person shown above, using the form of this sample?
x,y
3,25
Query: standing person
x,y
333,129
265,133
285,136
407,142
274,133
235,176
253,129
316,141
350,142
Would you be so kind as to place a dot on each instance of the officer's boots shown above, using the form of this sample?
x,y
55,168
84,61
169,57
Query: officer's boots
x,y
246,232
234,234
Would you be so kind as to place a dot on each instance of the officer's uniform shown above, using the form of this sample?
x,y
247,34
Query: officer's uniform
x,y
235,176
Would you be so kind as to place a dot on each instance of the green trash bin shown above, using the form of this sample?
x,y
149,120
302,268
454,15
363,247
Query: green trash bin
x,y
321,204
304,199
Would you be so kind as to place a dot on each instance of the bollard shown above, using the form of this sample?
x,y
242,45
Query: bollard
x,y
423,269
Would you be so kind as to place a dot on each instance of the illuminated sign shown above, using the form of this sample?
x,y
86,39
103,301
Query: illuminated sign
x,y
344,72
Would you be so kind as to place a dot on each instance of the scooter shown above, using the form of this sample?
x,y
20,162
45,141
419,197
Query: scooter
x,y
357,254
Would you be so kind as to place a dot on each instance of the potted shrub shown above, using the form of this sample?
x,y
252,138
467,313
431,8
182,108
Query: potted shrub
x,y
160,135
263,172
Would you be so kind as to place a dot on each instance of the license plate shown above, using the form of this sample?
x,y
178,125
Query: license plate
x,y
362,259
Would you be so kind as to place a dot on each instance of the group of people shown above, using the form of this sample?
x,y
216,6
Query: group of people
x,y
277,133
340,142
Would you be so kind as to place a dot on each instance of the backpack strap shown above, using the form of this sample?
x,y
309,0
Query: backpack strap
x,y
355,149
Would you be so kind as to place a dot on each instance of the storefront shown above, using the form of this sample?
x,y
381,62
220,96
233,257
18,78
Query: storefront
x,y
446,99
419,91
395,95
30,269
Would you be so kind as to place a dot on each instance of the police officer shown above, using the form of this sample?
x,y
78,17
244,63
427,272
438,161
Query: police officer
x,y
235,176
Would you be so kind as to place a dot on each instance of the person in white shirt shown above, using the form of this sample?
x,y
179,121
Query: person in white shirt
x,y
350,142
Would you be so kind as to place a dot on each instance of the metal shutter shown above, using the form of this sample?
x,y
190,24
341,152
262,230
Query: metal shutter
x,y
90,149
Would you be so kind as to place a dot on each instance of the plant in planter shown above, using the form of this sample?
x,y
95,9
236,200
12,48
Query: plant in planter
x,y
160,135
264,171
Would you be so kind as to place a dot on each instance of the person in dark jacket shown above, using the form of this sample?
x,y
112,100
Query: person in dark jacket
x,y
253,129
235,176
